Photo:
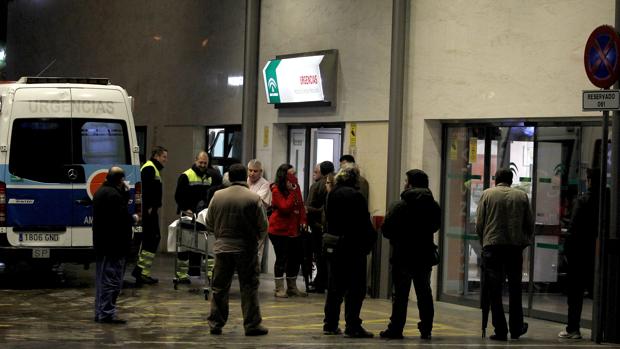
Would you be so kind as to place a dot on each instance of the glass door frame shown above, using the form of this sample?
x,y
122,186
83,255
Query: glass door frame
x,y
308,167
460,299
231,139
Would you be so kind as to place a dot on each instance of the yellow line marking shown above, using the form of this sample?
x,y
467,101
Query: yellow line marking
x,y
292,316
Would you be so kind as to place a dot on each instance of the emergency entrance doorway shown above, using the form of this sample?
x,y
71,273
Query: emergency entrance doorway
x,y
549,162
309,145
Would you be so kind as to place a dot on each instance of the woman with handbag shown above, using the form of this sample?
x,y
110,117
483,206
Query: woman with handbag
x,y
285,223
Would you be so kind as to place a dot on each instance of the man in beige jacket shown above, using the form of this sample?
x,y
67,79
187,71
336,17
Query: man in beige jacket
x,y
505,225
237,218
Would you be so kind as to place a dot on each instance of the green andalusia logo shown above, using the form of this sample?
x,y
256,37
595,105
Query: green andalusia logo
x,y
271,81
272,87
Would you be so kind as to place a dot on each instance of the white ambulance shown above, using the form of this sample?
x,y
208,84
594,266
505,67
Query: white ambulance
x,y
58,138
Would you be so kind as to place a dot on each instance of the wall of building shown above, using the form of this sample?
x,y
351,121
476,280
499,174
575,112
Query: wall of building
x,y
370,152
360,30
487,59
362,38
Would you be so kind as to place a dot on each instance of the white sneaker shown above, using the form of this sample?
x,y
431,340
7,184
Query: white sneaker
x,y
570,335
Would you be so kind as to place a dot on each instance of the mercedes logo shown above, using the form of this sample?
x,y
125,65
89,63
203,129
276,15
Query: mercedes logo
x,y
72,173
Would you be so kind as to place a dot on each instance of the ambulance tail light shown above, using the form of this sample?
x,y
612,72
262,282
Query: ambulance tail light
x,y
138,200
2,204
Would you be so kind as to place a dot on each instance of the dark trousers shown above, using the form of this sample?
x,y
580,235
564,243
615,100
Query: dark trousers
x,y
246,265
580,273
501,262
289,254
346,281
150,231
402,276
108,284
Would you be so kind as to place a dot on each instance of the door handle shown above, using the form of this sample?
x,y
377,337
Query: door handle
x,y
84,202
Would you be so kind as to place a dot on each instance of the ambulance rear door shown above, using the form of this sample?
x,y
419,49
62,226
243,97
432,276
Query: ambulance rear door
x,y
101,139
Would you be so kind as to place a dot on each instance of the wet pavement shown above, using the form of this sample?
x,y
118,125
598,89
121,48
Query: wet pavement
x,y
54,309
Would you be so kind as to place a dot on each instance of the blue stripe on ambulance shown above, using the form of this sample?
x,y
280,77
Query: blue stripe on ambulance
x,y
32,203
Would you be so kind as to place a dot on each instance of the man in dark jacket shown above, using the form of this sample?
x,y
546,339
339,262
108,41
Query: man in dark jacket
x,y
580,252
191,198
112,242
152,192
349,221
409,225
314,207
194,183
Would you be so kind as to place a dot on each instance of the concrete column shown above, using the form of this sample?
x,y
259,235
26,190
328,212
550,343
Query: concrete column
x,y
250,80
607,329
395,135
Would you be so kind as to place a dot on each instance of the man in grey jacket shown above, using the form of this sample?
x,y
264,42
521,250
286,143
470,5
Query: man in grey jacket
x,y
237,218
504,225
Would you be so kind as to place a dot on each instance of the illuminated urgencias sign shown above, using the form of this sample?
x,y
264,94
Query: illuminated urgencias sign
x,y
309,78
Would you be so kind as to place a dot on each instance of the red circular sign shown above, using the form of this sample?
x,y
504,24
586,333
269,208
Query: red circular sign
x,y
95,181
601,57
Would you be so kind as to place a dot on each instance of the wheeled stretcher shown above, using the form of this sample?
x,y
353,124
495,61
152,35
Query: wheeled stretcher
x,y
188,234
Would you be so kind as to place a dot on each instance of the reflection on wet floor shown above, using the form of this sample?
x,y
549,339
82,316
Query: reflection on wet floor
x,y
52,308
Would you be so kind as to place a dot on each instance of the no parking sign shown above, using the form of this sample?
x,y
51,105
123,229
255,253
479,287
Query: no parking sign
x,y
601,57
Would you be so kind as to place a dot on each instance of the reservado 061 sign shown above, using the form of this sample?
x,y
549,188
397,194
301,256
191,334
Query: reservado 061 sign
x,y
601,100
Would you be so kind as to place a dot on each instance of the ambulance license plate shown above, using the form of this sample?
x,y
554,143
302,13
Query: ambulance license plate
x,y
39,237
40,253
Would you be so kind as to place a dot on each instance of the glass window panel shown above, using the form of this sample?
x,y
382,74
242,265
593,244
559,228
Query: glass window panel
x,y
455,210
324,150
40,149
235,144
102,142
297,155
216,142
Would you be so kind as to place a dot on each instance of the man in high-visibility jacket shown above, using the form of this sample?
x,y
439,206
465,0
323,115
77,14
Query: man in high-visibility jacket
x,y
191,196
152,189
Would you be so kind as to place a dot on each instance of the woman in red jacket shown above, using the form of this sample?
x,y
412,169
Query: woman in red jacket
x,y
287,218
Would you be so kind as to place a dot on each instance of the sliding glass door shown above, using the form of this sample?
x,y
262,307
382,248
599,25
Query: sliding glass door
x,y
549,163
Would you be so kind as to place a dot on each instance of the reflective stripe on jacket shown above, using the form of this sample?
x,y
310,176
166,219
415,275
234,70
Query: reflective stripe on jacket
x,y
151,164
195,179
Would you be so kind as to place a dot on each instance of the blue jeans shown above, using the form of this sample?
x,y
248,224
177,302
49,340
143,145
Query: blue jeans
x,y
108,283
